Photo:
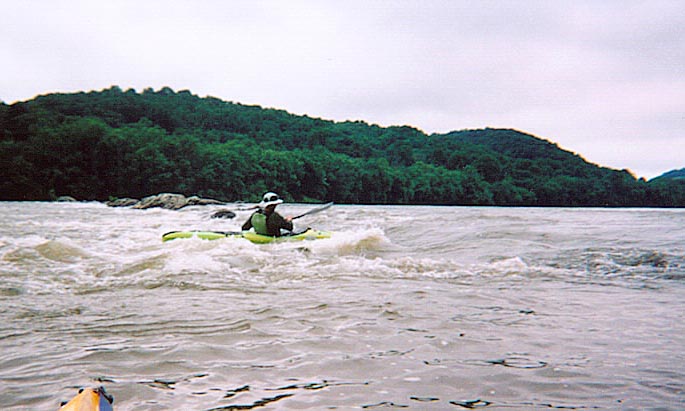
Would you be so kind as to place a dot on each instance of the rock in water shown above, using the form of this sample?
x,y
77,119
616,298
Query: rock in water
x,y
223,214
122,202
195,200
172,201
168,201
66,199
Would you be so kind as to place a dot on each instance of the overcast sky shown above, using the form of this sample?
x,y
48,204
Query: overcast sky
x,y
604,78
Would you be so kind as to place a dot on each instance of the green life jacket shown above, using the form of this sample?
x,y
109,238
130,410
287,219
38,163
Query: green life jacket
x,y
258,221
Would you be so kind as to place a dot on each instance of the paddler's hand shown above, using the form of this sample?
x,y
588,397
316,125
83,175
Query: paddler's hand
x,y
289,218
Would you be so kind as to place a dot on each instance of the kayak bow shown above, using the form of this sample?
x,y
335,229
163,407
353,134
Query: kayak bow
x,y
90,399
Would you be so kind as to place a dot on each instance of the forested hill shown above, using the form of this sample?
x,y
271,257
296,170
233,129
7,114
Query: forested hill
x,y
114,143
673,174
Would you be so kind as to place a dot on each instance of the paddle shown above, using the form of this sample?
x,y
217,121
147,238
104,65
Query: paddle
x,y
310,212
315,210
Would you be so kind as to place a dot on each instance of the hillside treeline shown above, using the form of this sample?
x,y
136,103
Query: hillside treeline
x,y
114,143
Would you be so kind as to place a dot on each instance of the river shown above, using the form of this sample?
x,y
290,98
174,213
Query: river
x,y
423,308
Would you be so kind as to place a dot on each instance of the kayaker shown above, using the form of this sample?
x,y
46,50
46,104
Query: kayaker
x,y
266,220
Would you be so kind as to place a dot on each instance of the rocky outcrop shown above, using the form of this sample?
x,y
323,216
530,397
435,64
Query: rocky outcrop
x,y
169,201
166,200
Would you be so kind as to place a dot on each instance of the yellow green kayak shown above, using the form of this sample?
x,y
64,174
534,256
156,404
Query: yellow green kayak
x,y
309,234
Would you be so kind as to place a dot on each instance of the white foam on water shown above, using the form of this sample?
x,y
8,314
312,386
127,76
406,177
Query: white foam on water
x,y
350,242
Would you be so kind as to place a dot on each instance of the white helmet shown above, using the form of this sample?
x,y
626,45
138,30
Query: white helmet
x,y
269,199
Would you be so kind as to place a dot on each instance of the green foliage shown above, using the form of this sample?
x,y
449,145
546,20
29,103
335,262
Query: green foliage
x,y
673,174
115,143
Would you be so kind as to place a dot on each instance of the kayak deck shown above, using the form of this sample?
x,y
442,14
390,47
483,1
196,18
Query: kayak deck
x,y
205,235
308,234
